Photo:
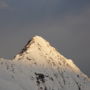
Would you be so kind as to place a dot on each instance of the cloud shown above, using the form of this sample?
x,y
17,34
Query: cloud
x,y
3,5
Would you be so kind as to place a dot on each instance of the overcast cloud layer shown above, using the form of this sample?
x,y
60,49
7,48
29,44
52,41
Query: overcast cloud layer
x,y
65,23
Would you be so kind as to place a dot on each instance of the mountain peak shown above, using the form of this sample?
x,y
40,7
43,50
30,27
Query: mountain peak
x,y
37,41
40,66
40,51
40,40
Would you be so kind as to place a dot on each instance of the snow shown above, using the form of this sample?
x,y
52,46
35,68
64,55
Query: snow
x,y
39,66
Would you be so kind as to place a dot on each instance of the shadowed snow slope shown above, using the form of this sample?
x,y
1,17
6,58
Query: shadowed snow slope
x,y
39,66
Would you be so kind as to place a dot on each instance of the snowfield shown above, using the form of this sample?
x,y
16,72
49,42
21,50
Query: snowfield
x,y
39,66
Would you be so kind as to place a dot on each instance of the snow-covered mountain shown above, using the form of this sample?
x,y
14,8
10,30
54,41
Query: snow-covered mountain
x,y
39,66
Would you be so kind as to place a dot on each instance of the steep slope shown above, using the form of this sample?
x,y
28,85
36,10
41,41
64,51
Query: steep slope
x,y
39,66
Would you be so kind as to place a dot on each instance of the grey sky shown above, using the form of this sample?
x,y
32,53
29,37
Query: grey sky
x,y
65,23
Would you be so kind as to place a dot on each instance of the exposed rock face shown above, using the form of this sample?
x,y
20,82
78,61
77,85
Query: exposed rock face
x,y
39,66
